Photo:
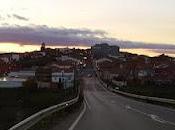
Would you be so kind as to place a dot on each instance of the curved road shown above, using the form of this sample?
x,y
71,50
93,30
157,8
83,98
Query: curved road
x,y
108,111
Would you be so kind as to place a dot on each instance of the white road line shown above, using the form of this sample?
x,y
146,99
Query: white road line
x,y
89,107
78,118
157,118
152,116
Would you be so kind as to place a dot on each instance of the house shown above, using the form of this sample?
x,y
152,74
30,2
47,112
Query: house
x,y
11,82
6,67
56,75
101,60
65,50
10,57
164,74
65,77
22,73
67,58
108,69
43,77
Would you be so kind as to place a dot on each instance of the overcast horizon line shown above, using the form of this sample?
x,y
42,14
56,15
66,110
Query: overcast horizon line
x,y
36,34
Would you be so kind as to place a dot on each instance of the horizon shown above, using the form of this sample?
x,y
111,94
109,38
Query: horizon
x,y
139,51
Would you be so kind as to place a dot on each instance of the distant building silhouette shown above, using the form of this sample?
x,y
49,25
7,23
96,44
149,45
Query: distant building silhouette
x,y
43,46
103,50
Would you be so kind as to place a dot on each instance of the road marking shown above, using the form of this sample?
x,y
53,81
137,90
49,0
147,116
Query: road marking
x,y
157,118
152,116
78,118
89,107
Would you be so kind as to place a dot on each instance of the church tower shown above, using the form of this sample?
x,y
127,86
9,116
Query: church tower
x,y
43,46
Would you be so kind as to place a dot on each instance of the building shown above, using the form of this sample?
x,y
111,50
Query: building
x,y
63,77
15,79
104,50
11,82
10,57
43,46
56,75
22,74
68,58
44,77
4,67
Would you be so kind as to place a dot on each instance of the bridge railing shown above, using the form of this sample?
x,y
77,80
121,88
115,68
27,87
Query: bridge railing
x,y
33,119
155,99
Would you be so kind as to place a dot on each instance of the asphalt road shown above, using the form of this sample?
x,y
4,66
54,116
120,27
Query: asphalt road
x,y
108,111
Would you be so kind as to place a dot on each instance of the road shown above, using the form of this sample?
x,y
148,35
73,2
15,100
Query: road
x,y
105,110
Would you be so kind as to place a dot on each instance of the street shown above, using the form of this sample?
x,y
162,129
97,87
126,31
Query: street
x,y
105,110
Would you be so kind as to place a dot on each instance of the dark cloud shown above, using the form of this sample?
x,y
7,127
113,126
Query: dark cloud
x,y
20,17
34,35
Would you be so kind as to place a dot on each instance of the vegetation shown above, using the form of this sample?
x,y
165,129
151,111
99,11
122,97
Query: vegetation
x,y
17,104
153,91
55,118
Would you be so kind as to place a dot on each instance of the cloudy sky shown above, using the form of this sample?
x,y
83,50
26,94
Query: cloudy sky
x,y
128,23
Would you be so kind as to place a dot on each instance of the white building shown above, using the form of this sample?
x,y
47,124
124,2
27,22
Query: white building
x,y
9,82
66,77
15,79
22,74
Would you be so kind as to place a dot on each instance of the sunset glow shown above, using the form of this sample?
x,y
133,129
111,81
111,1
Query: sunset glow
x,y
150,21
13,47
150,52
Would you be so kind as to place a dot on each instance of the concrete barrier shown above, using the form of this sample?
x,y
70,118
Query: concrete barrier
x,y
32,120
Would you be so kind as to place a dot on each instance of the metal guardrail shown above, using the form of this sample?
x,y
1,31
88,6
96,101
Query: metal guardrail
x,y
33,119
156,99
162,100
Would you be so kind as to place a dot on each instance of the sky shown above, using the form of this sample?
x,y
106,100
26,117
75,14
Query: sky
x,y
128,23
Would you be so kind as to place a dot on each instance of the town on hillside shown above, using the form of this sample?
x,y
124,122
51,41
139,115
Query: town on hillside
x,y
32,81
51,68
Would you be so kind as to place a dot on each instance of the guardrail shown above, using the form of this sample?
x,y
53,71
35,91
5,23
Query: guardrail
x,y
33,119
155,99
